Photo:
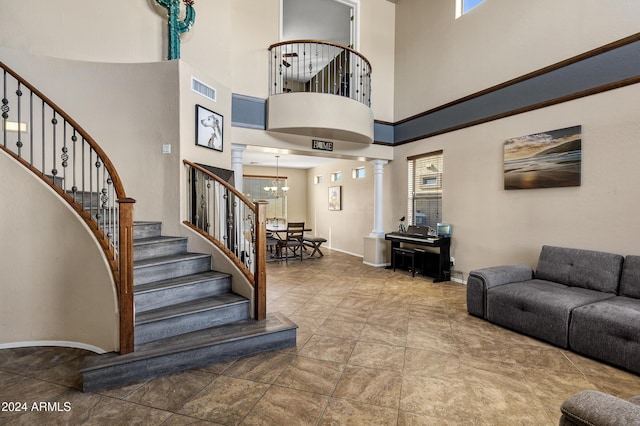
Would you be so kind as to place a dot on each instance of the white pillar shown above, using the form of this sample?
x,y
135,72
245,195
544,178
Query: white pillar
x,y
236,164
378,198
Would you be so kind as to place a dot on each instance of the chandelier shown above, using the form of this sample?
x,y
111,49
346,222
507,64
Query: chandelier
x,y
276,190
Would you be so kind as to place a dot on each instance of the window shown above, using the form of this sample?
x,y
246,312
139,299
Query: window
x,y
336,177
358,173
425,189
464,6
317,180
254,188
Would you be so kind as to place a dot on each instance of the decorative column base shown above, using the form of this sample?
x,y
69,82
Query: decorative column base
x,y
376,251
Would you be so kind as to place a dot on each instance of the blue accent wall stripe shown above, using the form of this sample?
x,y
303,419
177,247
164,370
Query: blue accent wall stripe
x,y
248,111
606,68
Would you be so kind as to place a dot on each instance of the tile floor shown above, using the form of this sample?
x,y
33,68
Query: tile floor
x,y
374,347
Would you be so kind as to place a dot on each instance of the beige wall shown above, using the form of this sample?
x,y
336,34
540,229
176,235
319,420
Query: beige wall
x,y
377,44
256,26
440,59
344,229
492,226
116,31
56,285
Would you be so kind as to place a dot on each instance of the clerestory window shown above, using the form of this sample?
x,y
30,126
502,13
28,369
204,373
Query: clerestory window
x,y
464,6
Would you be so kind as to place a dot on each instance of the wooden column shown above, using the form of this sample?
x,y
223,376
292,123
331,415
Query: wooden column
x,y
125,254
260,274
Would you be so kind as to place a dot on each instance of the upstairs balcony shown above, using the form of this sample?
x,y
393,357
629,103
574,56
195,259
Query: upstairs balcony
x,y
320,89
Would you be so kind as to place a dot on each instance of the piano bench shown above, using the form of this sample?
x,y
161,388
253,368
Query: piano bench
x,y
404,253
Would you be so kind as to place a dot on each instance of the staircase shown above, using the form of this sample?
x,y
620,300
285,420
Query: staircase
x,y
186,316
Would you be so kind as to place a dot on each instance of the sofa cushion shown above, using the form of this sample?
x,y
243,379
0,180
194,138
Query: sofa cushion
x,y
539,308
630,280
609,331
588,269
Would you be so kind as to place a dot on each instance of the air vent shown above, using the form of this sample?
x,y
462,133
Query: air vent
x,y
203,89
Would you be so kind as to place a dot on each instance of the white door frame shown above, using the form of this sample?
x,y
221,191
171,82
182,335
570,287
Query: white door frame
x,y
355,23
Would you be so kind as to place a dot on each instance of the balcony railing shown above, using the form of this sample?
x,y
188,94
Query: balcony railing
x,y
314,66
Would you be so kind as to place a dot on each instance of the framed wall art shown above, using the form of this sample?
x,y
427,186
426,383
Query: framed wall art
x,y
335,198
209,128
544,160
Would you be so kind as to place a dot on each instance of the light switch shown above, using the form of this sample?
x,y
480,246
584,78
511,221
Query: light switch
x,y
166,148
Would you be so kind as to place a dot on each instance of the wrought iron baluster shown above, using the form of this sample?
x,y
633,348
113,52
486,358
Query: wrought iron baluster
x,y
32,129
198,207
64,156
210,208
115,224
5,109
74,188
90,182
42,141
19,100
54,171
325,55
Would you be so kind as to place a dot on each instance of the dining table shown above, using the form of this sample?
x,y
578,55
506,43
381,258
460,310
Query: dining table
x,y
278,229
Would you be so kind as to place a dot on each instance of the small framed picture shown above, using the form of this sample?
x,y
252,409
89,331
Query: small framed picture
x,y
335,198
209,126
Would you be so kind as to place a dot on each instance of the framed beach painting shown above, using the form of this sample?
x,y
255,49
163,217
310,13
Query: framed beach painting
x,y
544,160
209,127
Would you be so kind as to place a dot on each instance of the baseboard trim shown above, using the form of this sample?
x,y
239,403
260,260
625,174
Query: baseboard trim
x,y
376,265
347,252
60,343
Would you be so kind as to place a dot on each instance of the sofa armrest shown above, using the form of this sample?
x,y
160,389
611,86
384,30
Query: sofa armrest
x,y
480,280
499,275
595,408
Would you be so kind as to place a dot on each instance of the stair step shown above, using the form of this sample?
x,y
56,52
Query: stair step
x,y
146,229
86,198
188,351
165,267
157,294
145,248
190,316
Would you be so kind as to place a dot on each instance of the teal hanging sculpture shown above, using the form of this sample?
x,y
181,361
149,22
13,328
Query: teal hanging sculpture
x,y
177,27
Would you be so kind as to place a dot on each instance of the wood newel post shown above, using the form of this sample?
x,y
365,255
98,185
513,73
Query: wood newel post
x,y
125,289
260,274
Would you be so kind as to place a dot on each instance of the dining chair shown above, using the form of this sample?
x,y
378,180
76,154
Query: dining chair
x,y
293,241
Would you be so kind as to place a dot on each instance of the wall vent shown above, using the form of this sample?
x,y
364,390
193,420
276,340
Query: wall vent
x,y
203,89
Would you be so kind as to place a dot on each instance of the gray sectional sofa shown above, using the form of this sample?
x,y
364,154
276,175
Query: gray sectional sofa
x,y
583,300
593,408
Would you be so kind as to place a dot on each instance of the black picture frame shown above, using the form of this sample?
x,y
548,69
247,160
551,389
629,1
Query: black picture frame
x,y
209,129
